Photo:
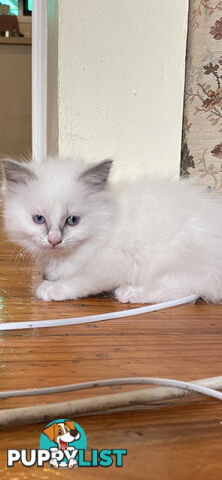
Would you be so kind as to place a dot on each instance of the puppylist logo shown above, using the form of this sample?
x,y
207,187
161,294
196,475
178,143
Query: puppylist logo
x,y
63,444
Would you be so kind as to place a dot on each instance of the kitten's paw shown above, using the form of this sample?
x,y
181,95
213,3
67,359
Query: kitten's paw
x,y
48,291
129,294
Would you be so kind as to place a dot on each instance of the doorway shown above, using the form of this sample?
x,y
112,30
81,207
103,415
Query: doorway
x,y
15,78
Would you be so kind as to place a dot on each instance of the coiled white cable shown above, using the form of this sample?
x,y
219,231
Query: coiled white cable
x,y
97,318
104,403
114,381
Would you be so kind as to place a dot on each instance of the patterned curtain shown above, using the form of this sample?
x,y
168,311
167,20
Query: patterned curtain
x,y
202,125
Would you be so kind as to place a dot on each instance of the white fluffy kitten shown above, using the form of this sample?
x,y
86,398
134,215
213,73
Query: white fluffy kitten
x,y
148,241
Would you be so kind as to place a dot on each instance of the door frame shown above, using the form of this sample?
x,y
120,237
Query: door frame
x,y
44,79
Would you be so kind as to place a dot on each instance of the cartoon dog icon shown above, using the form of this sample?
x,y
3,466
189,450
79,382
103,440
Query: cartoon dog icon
x,y
62,434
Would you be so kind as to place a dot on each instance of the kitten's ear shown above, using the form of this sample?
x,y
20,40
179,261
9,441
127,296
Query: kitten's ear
x,y
97,176
16,173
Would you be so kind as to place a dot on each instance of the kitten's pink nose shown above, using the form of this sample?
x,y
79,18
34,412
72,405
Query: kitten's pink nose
x,y
54,238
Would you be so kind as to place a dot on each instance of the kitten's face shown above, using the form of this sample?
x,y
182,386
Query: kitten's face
x,y
53,207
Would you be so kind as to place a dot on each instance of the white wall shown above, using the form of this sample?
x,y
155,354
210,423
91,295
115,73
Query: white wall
x,y
121,79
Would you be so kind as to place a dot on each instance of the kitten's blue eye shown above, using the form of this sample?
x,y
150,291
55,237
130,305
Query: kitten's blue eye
x,y
72,221
38,219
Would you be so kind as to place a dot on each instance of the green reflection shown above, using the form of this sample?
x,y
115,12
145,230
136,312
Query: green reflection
x,y
13,4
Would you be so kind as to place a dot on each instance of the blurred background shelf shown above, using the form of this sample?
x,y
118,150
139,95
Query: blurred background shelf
x,y
16,40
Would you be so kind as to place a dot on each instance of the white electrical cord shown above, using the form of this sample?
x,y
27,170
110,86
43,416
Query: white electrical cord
x,y
108,403
97,318
114,381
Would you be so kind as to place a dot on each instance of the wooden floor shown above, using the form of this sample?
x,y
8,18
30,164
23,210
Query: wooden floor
x,y
178,440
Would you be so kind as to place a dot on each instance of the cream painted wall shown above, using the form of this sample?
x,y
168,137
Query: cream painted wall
x,y
121,80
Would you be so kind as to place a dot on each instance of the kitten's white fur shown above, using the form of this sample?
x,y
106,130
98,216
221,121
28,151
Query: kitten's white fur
x,y
149,240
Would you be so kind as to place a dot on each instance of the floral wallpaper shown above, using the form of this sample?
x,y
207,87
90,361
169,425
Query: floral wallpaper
x,y
202,124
